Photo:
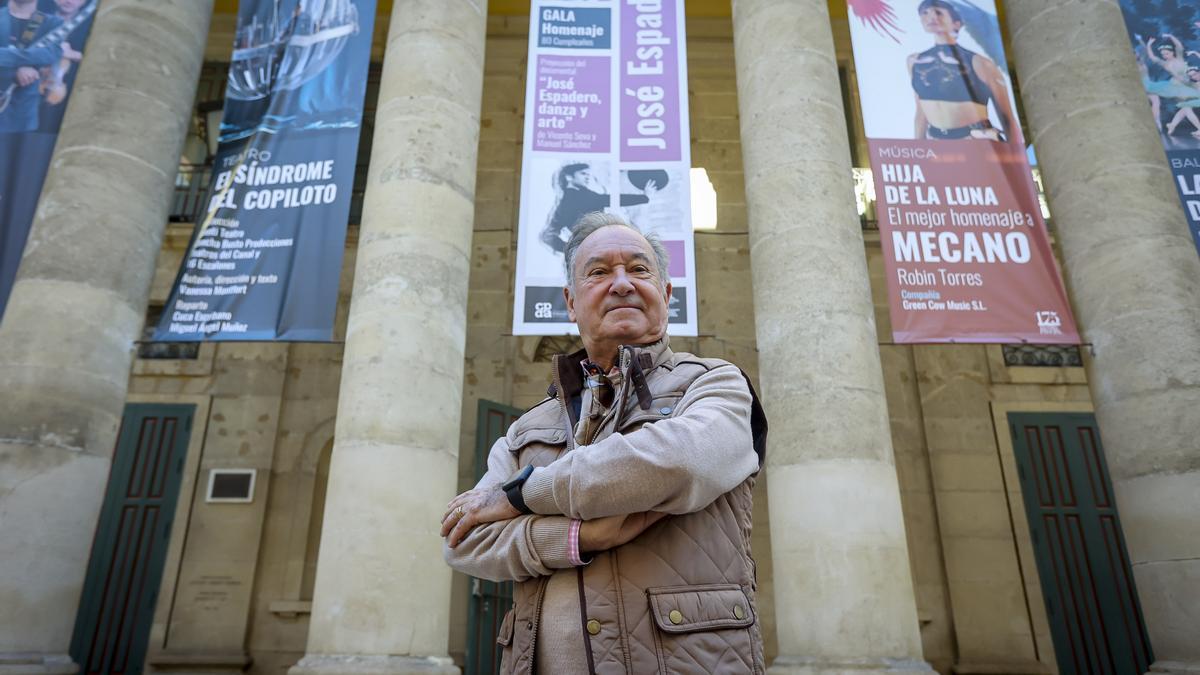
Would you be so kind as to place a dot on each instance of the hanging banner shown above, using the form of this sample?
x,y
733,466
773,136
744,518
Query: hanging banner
x,y
606,129
965,248
1166,42
43,43
266,257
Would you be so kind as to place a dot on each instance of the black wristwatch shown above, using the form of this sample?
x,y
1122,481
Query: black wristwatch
x,y
513,489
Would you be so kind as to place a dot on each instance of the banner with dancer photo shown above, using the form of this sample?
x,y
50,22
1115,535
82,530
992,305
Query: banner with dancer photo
x,y
265,260
606,129
43,45
1166,42
965,248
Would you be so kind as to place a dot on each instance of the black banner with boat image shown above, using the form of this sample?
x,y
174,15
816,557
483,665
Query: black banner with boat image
x,y
266,256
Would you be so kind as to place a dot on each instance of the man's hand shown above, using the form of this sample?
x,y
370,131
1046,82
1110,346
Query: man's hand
x,y
602,534
26,75
475,507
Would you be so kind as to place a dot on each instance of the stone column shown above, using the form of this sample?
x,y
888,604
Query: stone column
x,y
66,341
382,596
843,591
1135,277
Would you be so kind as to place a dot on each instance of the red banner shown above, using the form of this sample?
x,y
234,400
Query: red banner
x,y
964,242
965,246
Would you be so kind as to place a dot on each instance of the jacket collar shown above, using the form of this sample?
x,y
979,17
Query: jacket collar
x,y
642,359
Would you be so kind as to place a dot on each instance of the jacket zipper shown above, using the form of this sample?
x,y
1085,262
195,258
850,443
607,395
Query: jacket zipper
x,y
624,358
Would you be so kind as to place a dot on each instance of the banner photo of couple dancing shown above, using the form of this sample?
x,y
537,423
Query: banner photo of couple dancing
x,y
1165,36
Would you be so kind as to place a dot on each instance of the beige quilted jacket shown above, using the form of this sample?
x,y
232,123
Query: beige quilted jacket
x,y
680,597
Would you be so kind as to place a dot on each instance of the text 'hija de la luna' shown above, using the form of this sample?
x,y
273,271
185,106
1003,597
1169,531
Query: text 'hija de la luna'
x,y
919,193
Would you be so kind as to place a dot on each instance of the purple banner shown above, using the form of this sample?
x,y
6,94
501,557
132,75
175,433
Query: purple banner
x,y
572,111
650,122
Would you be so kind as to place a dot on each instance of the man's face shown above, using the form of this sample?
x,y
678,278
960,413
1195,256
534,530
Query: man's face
x,y
580,178
68,6
618,298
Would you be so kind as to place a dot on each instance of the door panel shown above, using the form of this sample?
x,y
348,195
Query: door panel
x,y
489,600
1087,582
125,569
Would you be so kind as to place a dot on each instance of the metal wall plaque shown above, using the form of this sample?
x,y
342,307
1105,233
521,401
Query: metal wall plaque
x,y
231,485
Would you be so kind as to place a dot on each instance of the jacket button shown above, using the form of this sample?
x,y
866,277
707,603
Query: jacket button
x,y
676,617
593,627
529,625
665,410
738,612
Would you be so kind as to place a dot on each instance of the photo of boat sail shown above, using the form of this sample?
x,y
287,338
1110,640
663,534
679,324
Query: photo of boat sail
x,y
283,50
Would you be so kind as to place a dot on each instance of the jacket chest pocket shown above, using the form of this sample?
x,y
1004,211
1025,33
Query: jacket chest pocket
x,y
703,628
661,407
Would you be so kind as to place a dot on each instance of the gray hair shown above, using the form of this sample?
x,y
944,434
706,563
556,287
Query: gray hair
x,y
596,220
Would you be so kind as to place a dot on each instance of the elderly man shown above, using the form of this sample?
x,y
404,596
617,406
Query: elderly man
x,y
622,503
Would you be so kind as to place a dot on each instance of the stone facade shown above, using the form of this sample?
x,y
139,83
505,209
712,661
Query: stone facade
x,y
239,581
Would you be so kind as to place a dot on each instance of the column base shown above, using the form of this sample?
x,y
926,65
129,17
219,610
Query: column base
x,y
34,663
359,664
1005,668
198,663
798,665
1175,668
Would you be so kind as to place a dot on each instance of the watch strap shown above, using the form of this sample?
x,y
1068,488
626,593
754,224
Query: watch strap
x,y
512,490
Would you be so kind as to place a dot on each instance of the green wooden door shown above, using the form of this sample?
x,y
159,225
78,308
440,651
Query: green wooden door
x,y
121,588
1087,583
489,600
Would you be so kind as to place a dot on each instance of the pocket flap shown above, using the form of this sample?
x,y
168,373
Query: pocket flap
x,y
504,637
547,435
661,408
685,609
